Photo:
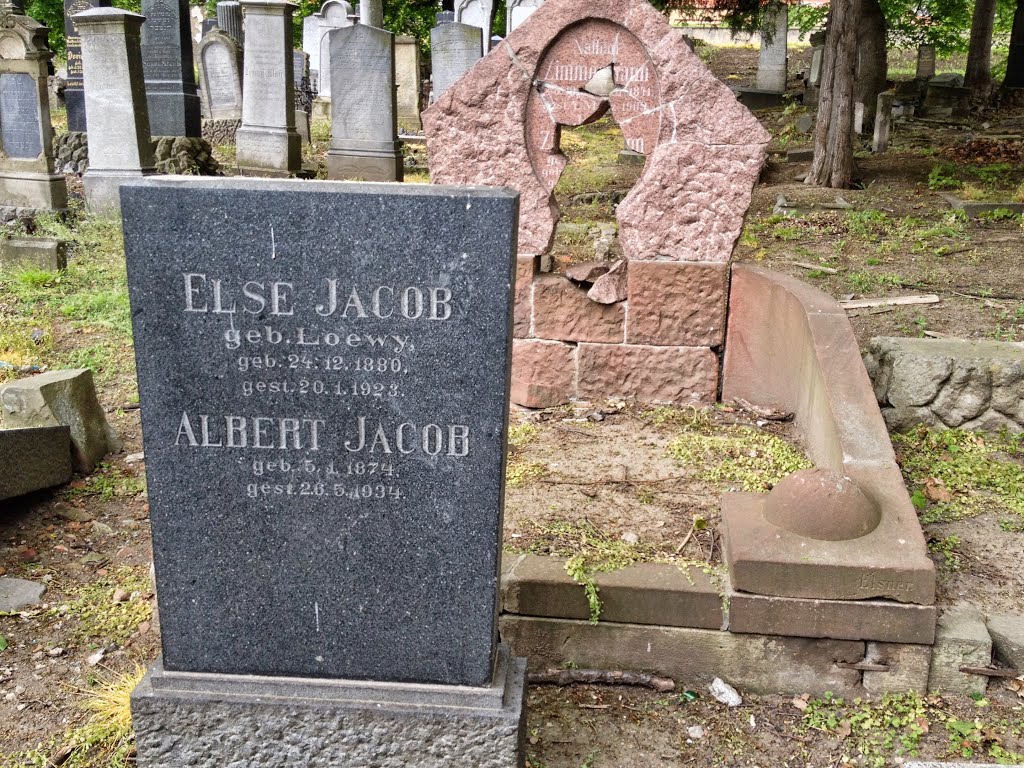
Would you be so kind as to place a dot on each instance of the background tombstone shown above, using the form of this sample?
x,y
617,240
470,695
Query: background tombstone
x,y
883,122
220,74
268,144
229,18
334,14
371,13
359,661
304,94
27,178
364,122
813,85
925,62
454,49
477,13
207,27
407,76
518,11
115,99
174,108
771,61
74,95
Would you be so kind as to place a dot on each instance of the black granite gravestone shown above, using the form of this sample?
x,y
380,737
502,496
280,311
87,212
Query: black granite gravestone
x,y
323,372
74,94
174,108
20,133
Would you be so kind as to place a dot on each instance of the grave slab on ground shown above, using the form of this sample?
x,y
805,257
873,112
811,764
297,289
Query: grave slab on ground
x,y
16,594
347,433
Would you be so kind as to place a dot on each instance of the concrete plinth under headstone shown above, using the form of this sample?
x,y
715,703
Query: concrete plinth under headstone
x,y
364,127
119,135
34,458
27,174
169,70
268,144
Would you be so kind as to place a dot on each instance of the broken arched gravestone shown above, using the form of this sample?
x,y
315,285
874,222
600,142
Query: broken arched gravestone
x,y
500,125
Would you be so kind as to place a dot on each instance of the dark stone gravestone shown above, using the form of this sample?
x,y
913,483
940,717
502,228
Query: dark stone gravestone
x,y
324,411
207,27
20,132
74,93
174,108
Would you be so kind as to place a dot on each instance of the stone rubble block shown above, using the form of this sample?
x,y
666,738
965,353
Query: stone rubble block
x,y
543,373
908,668
16,594
61,398
43,253
34,458
677,304
1007,633
563,312
965,383
648,593
526,268
961,640
674,375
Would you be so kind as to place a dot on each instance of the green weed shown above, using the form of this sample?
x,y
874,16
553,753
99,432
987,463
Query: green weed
x,y
942,177
98,620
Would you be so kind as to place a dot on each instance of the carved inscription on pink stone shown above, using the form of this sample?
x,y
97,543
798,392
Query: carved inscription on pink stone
x,y
591,68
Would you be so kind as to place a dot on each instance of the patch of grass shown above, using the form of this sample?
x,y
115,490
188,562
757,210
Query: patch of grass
x,y
520,435
97,619
738,457
943,177
106,482
522,473
106,740
976,473
945,551
690,417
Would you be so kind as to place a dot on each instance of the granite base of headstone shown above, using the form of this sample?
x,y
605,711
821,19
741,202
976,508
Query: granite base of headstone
x,y
28,179
74,91
333,403
364,112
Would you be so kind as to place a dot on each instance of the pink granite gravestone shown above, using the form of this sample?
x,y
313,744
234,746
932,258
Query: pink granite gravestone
x,y
500,124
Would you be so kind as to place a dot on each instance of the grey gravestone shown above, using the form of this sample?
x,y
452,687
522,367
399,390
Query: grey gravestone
x,y
304,94
207,27
229,18
335,14
324,414
220,73
167,63
771,61
476,13
407,78
925,62
34,458
518,11
20,132
364,110
74,93
454,49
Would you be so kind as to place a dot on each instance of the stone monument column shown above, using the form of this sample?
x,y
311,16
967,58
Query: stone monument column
x,y
74,95
371,13
454,49
27,178
364,110
268,144
115,101
229,18
174,108
771,62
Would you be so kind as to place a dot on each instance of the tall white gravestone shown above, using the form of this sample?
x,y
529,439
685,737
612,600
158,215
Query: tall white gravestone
x,y
364,110
477,13
771,61
335,14
117,117
220,72
407,76
27,178
454,49
268,144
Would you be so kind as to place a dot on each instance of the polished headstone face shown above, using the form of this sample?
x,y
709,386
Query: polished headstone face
x,y
323,373
20,132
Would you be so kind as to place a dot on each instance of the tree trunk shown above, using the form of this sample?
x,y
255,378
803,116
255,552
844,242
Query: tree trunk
x,y
873,61
833,134
979,55
1015,64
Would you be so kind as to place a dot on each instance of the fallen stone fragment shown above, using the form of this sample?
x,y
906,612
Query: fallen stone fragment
x,y
32,459
588,272
612,287
725,693
695,732
1007,633
16,594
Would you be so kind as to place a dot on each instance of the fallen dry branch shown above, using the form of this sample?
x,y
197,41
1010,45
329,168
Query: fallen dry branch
x,y
600,677
895,301
815,267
